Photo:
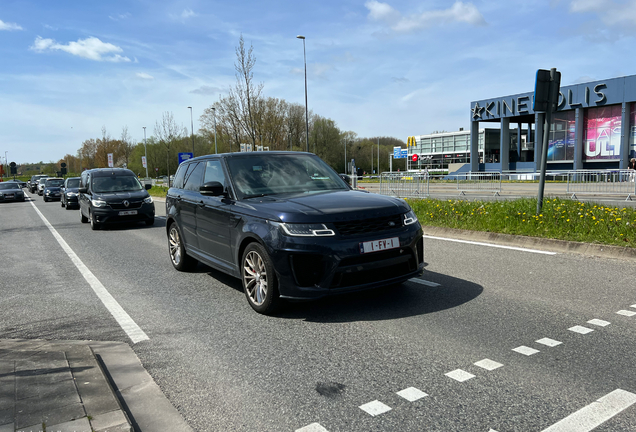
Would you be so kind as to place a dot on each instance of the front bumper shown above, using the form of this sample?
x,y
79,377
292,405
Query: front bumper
x,y
53,195
109,215
11,197
313,267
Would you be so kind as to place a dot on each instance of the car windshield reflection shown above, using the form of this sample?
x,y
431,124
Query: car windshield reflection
x,y
116,184
7,186
282,174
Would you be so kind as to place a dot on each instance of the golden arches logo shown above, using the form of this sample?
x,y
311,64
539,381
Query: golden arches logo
x,y
411,141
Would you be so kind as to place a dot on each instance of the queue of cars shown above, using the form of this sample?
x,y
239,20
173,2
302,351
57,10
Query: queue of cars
x,y
284,223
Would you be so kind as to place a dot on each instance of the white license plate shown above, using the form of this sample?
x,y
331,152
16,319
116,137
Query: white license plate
x,y
380,245
127,212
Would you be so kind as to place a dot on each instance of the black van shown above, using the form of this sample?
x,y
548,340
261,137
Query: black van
x,y
108,195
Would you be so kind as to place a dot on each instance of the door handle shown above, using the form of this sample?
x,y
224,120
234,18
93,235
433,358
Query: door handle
x,y
201,204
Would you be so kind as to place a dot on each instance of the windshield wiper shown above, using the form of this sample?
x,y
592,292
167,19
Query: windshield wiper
x,y
258,195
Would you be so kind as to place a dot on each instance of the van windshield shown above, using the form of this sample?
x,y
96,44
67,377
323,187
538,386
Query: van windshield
x,y
116,184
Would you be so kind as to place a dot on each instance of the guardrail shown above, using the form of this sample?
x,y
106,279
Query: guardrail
x,y
479,182
602,182
418,185
404,184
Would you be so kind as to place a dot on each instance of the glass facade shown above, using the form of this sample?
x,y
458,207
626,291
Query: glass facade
x,y
562,138
632,135
602,133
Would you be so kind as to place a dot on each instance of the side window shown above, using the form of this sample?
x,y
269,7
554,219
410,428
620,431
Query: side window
x,y
214,172
193,177
179,178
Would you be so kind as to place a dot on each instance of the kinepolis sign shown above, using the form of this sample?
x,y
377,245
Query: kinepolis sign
x,y
599,93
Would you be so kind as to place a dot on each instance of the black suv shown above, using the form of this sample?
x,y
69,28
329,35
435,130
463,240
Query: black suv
x,y
114,195
70,192
289,227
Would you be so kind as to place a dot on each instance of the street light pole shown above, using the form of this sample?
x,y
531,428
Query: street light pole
x,y
306,109
145,151
214,115
192,130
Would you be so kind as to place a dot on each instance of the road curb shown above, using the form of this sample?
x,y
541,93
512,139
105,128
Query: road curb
x,y
551,245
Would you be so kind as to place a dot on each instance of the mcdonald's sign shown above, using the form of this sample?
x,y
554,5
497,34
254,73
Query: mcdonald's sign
x,y
410,142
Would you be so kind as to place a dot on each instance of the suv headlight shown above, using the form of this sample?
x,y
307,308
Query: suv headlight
x,y
71,194
99,203
148,200
409,218
307,230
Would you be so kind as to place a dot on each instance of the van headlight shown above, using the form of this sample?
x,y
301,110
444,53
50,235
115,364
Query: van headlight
x,y
99,203
148,200
307,230
409,218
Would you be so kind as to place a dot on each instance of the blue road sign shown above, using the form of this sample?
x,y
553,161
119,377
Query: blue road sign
x,y
185,156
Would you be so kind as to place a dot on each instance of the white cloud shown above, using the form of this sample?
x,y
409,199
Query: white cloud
x,y
610,12
120,17
460,12
9,26
90,48
187,13
144,76
206,90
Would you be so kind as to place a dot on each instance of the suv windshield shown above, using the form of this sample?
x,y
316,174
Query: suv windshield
x,y
42,180
262,174
54,182
73,183
116,184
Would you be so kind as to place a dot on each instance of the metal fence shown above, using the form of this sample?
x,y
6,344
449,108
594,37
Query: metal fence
x,y
602,182
572,183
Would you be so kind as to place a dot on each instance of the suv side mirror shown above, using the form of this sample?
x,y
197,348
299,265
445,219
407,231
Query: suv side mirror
x,y
148,186
83,190
212,188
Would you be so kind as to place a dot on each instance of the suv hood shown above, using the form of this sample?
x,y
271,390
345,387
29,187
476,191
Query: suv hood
x,y
323,207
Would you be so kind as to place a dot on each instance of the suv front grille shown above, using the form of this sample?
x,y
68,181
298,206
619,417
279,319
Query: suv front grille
x,y
120,206
369,226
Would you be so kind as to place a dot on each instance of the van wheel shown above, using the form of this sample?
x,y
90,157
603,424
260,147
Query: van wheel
x,y
259,279
178,256
94,224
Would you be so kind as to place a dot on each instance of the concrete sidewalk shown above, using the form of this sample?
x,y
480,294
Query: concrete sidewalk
x,y
79,386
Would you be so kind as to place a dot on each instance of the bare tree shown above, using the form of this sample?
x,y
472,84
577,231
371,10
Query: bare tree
x,y
245,93
168,133
127,145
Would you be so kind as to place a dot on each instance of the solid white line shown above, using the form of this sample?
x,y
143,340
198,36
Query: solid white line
x,y
424,282
492,245
134,332
595,414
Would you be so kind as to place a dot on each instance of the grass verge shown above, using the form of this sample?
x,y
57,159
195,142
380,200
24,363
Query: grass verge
x,y
560,219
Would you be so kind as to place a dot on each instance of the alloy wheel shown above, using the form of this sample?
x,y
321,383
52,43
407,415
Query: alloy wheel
x,y
255,277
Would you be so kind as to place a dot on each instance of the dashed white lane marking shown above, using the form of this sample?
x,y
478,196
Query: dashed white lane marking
x,y
314,427
134,332
525,350
375,408
411,394
549,342
488,364
460,375
580,329
633,306
424,282
626,313
492,245
595,414
598,322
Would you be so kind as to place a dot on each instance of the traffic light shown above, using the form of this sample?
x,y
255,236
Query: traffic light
x,y
13,168
415,157
63,169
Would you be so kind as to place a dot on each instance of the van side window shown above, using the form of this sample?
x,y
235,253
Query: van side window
x,y
194,177
179,178
214,172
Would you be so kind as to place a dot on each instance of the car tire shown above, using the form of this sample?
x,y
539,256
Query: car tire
x,y
150,222
83,218
46,200
259,279
178,256
94,224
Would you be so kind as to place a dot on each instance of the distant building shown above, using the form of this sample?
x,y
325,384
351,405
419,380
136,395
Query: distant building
x,y
594,128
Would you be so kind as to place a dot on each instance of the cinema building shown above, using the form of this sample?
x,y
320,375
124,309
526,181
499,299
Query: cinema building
x,y
594,127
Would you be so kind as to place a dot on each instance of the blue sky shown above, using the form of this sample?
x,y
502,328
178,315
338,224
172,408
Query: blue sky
x,y
378,68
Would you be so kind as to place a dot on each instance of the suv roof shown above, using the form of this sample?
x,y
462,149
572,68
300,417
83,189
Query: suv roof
x,y
107,172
